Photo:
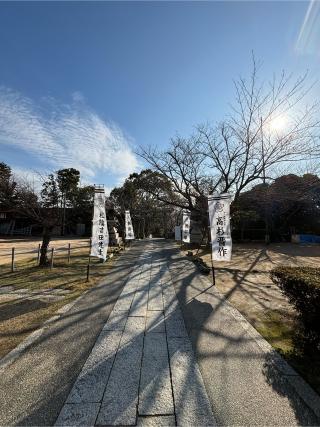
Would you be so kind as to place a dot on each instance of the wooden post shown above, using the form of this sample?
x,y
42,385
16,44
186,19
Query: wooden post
x,y
12,260
51,261
69,252
90,247
38,257
89,258
88,273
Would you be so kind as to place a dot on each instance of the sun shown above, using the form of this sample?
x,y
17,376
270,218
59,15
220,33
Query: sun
x,y
278,124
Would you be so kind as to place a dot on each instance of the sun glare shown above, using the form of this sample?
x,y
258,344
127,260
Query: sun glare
x,y
278,124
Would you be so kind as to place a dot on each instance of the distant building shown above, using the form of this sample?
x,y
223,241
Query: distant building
x,y
12,223
15,224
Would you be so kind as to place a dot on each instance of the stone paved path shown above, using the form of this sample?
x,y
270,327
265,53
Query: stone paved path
x,y
141,370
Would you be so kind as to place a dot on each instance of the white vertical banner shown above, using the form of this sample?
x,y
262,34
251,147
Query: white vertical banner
x,y
100,234
177,232
186,220
219,217
128,226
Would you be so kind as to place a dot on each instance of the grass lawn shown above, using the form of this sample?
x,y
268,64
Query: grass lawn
x,y
246,284
20,315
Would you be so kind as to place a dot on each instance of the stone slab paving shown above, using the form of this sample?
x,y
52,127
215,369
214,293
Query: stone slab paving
x,y
155,387
80,414
157,421
141,370
91,382
155,322
192,404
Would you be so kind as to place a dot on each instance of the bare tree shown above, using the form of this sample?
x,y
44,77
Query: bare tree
x,y
43,209
184,166
268,127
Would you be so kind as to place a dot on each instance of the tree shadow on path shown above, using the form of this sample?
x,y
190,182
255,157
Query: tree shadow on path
x,y
227,351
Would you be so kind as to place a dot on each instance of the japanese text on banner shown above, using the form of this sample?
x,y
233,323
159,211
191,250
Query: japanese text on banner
x,y
129,227
219,217
186,226
100,234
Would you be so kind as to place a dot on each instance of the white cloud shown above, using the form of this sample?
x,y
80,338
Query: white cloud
x,y
65,135
78,96
309,35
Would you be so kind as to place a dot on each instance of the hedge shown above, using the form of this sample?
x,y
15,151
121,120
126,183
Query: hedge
x,y
302,287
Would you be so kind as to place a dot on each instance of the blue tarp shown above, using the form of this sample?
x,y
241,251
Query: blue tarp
x,y
309,238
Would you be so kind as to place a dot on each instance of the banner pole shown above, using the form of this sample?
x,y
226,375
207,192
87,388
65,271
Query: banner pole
x,y
212,266
202,238
213,272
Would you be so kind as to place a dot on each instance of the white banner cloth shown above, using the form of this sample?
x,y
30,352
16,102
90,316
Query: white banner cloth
x,y
177,232
100,234
186,220
128,226
219,217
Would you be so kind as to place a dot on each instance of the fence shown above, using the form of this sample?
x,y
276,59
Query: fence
x,y
9,257
12,255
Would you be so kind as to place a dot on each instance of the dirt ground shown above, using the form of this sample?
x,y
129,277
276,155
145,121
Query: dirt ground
x,y
246,283
28,247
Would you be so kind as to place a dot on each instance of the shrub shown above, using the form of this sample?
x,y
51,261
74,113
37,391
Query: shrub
x,y
302,287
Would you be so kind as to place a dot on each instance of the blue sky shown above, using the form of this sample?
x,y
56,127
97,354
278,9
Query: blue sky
x,y
84,83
